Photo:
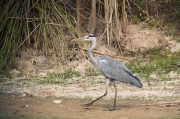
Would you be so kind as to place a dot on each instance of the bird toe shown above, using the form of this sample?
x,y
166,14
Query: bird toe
x,y
87,105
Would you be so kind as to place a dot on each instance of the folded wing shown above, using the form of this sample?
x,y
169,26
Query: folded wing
x,y
117,71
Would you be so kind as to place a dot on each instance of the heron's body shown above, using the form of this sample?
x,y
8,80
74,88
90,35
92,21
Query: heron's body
x,y
114,70
111,69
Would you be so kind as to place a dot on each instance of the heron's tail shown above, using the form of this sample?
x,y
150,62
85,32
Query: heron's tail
x,y
136,82
130,78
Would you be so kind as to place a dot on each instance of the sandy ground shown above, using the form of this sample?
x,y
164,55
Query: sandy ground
x,y
26,99
33,108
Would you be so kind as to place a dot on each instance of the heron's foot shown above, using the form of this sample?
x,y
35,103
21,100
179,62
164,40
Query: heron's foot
x,y
114,108
87,105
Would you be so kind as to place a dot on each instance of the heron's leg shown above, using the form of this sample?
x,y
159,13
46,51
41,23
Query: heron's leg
x,y
114,107
107,83
88,104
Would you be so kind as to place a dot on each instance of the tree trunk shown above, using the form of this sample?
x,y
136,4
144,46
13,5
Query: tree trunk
x,y
92,20
124,28
79,20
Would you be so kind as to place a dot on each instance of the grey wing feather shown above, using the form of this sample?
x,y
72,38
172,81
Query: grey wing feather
x,y
116,71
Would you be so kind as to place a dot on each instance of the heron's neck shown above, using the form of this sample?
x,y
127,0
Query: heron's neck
x,y
91,58
90,55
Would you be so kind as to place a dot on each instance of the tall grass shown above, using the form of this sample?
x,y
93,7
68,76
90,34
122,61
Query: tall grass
x,y
10,31
42,24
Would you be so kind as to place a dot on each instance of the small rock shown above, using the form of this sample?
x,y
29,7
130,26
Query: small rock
x,y
27,105
42,75
24,94
153,76
176,48
57,101
172,74
149,84
14,72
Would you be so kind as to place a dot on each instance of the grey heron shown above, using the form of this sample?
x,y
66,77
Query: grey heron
x,y
110,68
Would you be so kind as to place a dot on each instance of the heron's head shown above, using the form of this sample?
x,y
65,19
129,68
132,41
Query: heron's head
x,y
88,37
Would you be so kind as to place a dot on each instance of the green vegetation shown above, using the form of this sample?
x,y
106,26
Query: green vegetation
x,y
91,72
159,62
2,80
59,78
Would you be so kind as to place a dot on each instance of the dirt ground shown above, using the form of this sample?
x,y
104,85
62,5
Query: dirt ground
x,y
28,100
33,107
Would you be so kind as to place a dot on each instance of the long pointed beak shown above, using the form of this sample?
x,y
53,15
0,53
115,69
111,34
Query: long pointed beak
x,y
79,39
76,39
